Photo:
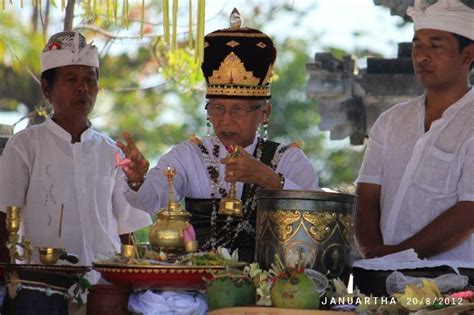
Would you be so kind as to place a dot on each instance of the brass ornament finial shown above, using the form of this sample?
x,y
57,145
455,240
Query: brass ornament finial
x,y
298,144
13,222
235,19
194,139
170,172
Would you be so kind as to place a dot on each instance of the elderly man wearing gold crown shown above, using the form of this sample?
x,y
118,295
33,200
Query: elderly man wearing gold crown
x,y
416,183
62,172
238,66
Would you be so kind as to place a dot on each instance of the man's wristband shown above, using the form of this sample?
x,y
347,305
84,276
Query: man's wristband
x,y
282,180
135,185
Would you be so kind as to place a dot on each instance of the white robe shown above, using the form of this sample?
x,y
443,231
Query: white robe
x,y
192,179
42,170
422,174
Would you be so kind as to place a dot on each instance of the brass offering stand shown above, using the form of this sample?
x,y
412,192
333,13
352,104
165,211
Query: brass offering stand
x,y
231,205
166,234
13,226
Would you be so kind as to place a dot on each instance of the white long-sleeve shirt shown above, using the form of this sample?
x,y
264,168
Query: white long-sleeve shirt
x,y
192,179
41,170
422,174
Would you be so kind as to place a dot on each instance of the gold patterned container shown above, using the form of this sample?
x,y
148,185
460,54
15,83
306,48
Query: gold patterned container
x,y
317,223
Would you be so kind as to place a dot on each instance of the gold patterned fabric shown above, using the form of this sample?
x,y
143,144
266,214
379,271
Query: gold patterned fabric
x,y
238,63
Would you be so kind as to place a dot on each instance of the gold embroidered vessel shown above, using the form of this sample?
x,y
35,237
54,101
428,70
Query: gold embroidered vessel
x,y
317,223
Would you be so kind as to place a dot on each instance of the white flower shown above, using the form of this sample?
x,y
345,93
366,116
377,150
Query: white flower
x,y
235,255
254,270
224,253
264,295
292,259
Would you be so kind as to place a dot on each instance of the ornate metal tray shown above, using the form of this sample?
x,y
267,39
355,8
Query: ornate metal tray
x,y
158,276
69,269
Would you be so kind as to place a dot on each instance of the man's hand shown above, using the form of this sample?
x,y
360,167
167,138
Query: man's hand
x,y
245,168
138,166
378,250
367,221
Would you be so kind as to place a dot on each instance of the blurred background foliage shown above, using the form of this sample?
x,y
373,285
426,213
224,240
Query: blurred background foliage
x,y
157,93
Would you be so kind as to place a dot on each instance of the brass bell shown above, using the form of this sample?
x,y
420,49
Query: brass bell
x,y
231,205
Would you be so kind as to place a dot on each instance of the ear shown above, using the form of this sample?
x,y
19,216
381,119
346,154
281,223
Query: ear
x,y
267,110
46,89
468,55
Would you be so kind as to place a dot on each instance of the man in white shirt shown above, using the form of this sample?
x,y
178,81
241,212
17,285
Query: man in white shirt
x,y
238,65
63,166
416,183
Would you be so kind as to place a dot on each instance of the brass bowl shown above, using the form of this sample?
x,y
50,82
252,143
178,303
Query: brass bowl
x,y
50,255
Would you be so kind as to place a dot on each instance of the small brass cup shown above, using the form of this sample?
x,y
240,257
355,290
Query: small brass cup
x,y
50,255
13,219
191,246
128,251
13,212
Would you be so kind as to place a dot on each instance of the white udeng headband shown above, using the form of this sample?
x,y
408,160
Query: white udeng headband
x,y
445,15
87,56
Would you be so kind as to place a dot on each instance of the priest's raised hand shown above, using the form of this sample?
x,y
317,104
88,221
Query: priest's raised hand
x,y
136,170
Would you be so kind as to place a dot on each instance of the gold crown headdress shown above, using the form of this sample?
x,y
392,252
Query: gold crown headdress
x,y
238,62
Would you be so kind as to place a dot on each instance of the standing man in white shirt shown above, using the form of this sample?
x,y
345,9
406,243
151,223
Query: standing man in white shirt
x,y
65,163
416,183
238,66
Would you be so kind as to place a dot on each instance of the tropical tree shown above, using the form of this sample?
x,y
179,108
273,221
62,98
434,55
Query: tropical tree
x,y
154,89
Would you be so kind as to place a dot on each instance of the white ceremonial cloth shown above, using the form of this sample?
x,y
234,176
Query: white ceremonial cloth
x,y
192,178
42,169
68,52
422,174
167,303
445,15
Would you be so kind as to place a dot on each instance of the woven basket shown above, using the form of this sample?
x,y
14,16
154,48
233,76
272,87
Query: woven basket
x,y
107,300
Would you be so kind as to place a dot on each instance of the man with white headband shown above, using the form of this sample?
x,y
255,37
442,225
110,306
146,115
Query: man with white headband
x,y
64,166
416,183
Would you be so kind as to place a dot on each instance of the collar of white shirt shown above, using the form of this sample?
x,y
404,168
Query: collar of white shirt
x,y
453,108
63,134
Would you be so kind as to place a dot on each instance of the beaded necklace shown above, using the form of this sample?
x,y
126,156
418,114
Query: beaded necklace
x,y
212,169
217,187
244,224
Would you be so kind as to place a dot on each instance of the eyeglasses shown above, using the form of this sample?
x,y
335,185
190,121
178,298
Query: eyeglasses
x,y
217,111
